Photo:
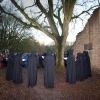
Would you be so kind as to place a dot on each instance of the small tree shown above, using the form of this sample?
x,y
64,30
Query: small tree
x,y
11,33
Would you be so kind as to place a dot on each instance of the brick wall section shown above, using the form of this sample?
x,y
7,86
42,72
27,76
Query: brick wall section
x,y
90,34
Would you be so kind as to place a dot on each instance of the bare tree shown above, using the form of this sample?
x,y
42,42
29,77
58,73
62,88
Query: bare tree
x,y
11,33
52,17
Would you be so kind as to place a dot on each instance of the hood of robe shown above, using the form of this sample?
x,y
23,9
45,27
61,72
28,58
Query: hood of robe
x,y
79,55
33,53
49,53
11,54
70,52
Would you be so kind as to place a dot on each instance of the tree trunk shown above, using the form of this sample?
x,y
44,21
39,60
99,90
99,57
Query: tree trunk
x,y
59,58
60,47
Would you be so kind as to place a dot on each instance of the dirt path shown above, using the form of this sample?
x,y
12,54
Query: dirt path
x,y
10,91
86,90
44,93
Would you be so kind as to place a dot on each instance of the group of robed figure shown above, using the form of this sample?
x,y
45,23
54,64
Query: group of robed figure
x,y
75,70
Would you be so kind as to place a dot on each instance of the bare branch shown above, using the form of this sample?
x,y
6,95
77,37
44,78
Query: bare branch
x,y
58,18
41,7
69,6
33,20
50,3
25,24
85,11
50,18
63,5
30,6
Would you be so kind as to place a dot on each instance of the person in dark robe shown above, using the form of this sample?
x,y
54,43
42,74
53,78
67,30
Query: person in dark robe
x,y
85,66
17,72
32,69
10,66
71,69
79,68
49,63
88,63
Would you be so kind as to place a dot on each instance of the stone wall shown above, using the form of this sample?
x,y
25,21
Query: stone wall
x,y
90,34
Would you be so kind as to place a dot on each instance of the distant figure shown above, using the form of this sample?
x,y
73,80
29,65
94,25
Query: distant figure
x,y
65,58
49,63
40,60
25,58
17,72
79,68
10,67
43,55
32,69
71,69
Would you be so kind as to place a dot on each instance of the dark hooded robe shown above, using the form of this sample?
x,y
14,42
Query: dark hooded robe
x,y
10,66
17,72
79,68
88,64
49,63
32,69
71,69
85,65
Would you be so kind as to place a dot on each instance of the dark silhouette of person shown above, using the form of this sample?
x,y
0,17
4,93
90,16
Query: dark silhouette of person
x,y
85,66
32,69
10,66
79,68
49,63
17,72
88,63
71,69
